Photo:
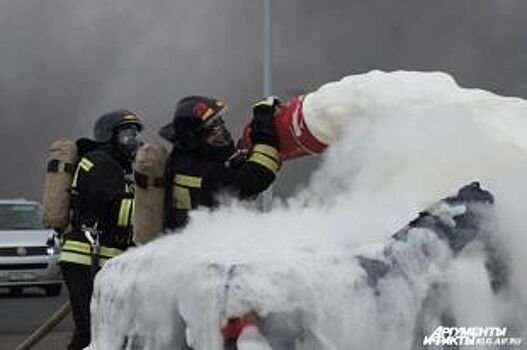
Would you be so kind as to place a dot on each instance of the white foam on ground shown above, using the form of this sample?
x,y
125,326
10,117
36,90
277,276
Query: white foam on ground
x,y
399,142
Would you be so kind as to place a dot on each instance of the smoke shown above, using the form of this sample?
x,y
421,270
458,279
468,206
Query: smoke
x,y
64,63
67,63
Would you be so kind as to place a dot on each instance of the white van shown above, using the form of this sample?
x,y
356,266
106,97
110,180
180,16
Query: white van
x,y
29,253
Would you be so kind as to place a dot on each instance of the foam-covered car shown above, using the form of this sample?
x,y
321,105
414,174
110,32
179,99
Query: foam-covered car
x,y
182,292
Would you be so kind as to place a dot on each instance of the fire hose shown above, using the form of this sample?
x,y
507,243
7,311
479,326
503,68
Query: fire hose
x,y
46,328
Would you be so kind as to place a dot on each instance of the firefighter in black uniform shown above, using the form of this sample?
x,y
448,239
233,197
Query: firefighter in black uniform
x,y
102,205
204,160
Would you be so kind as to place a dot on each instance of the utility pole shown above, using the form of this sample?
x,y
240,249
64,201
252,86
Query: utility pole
x,y
268,49
266,197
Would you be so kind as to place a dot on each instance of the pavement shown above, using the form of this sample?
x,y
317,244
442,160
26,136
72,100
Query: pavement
x,y
21,315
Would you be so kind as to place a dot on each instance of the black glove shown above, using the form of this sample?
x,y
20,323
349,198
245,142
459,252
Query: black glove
x,y
238,157
262,124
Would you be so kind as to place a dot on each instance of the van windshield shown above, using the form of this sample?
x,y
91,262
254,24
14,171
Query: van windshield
x,y
20,217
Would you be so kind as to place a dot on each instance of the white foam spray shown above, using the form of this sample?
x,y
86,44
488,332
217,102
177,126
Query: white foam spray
x,y
399,142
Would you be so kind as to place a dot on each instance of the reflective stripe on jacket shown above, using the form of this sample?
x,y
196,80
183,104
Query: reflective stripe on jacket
x,y
102,199
195,181
80,253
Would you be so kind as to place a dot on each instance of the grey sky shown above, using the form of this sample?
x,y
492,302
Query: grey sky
x,y
63,63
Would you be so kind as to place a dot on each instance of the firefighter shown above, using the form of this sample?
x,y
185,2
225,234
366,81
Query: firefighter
x,y
102,205
204,161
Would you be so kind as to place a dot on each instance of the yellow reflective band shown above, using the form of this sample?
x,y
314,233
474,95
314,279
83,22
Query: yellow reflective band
x,y
208,113
181,197
188,181
75,258
77,246
80,259
265,161
85,248
75,177
108,252
130,117
269,151
85,164
131,212
127,212
77,250
121,214
124,212
80,253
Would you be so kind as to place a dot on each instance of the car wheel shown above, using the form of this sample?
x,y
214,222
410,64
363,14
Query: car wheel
x,y
15,291
53,290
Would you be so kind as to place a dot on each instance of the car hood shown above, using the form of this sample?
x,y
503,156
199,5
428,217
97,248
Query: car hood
x,y
28,238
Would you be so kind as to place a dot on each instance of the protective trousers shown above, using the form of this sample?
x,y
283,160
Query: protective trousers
x,y
79,281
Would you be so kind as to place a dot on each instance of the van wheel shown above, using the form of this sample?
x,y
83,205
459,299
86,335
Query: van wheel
x,y
53,290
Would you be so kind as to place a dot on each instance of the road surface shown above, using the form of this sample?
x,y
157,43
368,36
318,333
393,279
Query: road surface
x,y
21,315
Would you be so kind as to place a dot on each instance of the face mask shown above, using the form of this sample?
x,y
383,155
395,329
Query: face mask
x,y
128,141
216,134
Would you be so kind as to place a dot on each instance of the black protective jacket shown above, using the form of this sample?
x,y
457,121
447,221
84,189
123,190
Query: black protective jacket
x,y
193,180
102,199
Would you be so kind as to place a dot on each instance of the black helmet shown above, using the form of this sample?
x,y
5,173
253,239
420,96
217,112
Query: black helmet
x,y
191,115
107,124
